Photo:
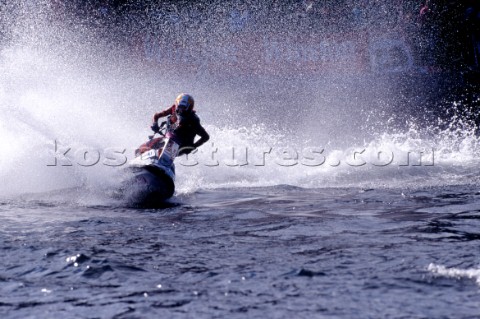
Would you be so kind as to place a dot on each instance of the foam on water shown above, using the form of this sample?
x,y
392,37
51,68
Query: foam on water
x,y
471,273
407,159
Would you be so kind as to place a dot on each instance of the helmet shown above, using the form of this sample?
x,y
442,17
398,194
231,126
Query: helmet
x,y
184,103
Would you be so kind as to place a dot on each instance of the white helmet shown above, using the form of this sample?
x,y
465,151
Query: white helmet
x,y
184,103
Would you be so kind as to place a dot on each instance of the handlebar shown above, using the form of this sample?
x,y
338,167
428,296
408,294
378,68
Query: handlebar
x,y
162,129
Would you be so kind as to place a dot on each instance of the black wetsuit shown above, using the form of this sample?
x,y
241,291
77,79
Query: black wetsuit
x,y
187,127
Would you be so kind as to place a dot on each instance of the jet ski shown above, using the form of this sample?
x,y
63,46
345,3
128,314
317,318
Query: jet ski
x,y
151,174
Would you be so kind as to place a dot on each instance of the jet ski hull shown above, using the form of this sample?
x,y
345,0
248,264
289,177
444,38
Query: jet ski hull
x,y
148,185
151,174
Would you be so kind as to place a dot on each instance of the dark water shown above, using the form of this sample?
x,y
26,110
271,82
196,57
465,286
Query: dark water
x,y
276,252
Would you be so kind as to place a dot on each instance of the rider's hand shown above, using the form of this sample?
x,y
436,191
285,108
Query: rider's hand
x,y
155,127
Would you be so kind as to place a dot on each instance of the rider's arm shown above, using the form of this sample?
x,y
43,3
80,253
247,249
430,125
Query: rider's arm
x,y
162,113
204,137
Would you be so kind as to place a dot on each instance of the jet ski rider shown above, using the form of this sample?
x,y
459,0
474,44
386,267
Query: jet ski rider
x,y
186,122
